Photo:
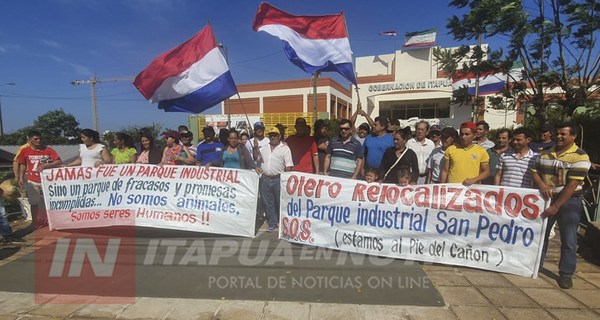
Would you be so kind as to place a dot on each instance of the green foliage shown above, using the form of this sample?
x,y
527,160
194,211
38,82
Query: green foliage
x,y
553,40
56,126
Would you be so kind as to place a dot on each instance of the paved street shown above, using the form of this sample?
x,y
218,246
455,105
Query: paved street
x,y
264,278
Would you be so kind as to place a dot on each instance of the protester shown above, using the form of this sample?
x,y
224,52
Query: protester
x,y
124,152
322,142
8,237
399,157
364,129
276,159
559,174
186,139
362,132
344,154
182,129
244,137
33,160
174,153
304,148
16,159
149,153
465,162
282,128
377,142
92,153
223,136
258,141
481,136
435,163
371,175
393,126
422,148
235,154
545,141
405,177
503,139
210,150
434,135
514,166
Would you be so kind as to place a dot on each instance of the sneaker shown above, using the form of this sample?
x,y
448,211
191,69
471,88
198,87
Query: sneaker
x,y
13,239
565,282
271,228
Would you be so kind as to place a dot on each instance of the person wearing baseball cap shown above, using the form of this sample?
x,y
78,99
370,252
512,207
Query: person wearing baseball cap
x,y
258,141
435,134
545,142
276,159
465,162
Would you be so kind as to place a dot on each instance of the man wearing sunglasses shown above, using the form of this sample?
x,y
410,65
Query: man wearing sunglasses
x,y
344,154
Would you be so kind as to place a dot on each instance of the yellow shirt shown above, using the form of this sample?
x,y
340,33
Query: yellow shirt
x,y
19,151
465,162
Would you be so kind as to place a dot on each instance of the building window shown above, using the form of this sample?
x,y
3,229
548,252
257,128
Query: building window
x,y
422,109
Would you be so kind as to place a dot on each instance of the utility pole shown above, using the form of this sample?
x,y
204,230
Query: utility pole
x,y
92,82
227,102
1,122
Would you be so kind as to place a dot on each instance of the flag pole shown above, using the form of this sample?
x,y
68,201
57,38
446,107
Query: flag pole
x,y
315,77
358,104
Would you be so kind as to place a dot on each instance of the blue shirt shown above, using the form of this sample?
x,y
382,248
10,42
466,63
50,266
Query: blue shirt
x,y
231,160
375,146
209,152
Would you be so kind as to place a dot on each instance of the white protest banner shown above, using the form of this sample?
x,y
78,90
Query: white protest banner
x,y
213,200
487,227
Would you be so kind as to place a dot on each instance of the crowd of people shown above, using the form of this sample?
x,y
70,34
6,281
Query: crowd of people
x,y
377,151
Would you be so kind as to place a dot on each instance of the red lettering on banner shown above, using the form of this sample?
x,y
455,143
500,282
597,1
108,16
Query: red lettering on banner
x,y
422,197
68,174
532,211
312,187
296,229
452,205
408,201
473,201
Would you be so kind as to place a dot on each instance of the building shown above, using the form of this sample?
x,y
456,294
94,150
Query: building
x,y
279,102
408,85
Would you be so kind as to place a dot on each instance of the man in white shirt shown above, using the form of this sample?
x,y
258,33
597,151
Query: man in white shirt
x,y
257,142
422,147
481,135
275,158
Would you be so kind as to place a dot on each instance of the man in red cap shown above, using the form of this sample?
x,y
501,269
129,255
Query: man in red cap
x,y
466,162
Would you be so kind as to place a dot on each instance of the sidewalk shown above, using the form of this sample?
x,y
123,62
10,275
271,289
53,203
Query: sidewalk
x,y
467,293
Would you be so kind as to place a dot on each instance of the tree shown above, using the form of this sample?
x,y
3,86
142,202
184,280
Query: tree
x,y
553,39
57,127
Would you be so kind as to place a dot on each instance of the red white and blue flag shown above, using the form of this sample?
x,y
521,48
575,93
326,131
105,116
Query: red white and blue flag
x,y
192,77
313,43
489,83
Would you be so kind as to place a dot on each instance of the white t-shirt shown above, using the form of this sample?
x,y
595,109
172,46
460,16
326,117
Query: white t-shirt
x,y
275,161
90,156
423,150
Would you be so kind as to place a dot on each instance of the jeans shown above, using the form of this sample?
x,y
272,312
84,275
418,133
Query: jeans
x,y
270,192
5,229
568,218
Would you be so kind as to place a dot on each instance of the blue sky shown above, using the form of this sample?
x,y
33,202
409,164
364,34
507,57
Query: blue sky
x,y
44,45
